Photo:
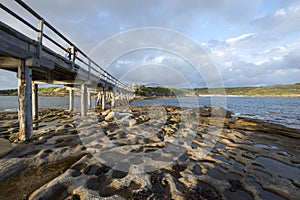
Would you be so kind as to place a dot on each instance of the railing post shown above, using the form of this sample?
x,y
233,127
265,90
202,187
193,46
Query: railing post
x,y
105,75
89,70
72,56
40,38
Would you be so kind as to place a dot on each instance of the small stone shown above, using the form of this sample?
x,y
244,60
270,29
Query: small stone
x,y
14,137
132,122
110,116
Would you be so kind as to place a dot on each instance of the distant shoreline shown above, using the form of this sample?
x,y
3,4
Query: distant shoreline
x,y
186,96
191,96
153,92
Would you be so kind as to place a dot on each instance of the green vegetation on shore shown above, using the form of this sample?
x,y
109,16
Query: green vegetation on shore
x,y
291,90
50,91
156,91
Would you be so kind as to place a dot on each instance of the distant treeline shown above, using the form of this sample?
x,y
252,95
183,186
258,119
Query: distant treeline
x,y
152,91
12,92
292,90
276,90
51,91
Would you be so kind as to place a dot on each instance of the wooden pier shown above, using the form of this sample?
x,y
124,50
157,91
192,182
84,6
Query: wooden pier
x,y
35,63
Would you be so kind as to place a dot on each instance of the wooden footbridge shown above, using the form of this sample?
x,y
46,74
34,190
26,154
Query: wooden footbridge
x,y
36,63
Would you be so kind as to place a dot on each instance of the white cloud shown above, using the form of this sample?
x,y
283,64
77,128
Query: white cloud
x,y
8,80
239,38
280,13
159,59
282,23
261,62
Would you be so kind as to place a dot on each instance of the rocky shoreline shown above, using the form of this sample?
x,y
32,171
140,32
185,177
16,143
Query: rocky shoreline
x,y
151,152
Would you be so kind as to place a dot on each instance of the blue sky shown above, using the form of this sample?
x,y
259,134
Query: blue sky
x,y
251,43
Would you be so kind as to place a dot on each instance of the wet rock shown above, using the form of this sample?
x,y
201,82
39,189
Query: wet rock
x,y
260,125
215,112
202,191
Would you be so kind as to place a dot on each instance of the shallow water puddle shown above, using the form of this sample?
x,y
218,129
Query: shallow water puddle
x,y
22,184
279,168
236,165
264,146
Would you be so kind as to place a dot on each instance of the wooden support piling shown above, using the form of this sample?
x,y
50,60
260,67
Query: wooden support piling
x,y
113,98
35,105
71,100
103,104
25,102
89,98
83,100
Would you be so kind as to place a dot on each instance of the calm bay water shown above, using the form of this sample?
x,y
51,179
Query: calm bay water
x,y
280,110
10,103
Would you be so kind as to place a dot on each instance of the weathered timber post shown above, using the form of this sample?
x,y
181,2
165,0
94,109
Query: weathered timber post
x,y
71,100
119,102
125,98
99,99
83,100
103,103
113,98
25,102
89,99
35,105
121,99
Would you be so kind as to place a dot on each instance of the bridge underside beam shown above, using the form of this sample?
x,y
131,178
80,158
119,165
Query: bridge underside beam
x,y
8,62
62,82
25,102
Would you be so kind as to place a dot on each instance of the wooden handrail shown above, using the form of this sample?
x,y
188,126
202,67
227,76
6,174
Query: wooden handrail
x,y
28,9
89,62
18,17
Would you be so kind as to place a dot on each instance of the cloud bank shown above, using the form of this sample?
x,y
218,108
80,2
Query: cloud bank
x,y
251,42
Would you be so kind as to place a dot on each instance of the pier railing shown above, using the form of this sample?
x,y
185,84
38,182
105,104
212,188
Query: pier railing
x,y
90,66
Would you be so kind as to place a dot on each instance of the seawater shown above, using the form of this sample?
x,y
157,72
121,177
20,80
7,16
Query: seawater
x,y
279,110
10,103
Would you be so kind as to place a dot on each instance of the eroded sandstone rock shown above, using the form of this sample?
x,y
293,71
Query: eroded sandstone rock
x,y
167,157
